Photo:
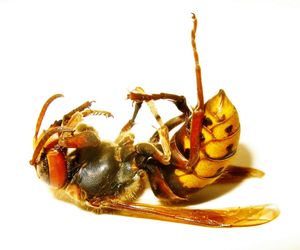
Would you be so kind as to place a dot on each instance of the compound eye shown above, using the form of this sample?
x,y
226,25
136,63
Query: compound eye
x,y
42,170
57,166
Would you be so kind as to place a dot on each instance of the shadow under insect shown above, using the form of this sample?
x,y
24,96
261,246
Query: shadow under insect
x,y
230,179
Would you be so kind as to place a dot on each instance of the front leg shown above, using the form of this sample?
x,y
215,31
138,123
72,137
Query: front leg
x,y
82,139
82,135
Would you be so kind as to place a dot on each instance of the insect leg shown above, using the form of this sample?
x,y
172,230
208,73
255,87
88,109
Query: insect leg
x,y
96,112
172,123
83,139
82,134
150,149
80,108
159,186
66,119
131,122
197,64
43,140
125,137
179,101
198,112
237,174
78,116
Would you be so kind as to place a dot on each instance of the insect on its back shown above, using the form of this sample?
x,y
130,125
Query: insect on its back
x,y
107,176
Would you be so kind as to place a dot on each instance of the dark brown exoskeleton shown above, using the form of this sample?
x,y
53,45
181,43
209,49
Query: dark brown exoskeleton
x,y
105,176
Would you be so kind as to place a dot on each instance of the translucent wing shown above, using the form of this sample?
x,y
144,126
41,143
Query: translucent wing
x,y
229,217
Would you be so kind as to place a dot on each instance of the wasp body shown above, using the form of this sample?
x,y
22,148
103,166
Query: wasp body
x,y
109,176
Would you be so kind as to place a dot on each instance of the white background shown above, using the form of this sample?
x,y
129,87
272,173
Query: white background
x,y
90,50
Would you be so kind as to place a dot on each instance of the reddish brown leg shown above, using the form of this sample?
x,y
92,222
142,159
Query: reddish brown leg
x,y
131,122
197,65
179,101
80,108
150,150
81,140
171,124
126,139
158,184
163,154
71,132
43,140
84,110
234,174
198,112
83,135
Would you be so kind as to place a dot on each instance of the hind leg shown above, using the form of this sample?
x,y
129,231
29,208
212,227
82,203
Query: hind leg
x,y
235,174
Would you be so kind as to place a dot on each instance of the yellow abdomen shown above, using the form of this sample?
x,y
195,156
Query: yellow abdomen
x,y
219,142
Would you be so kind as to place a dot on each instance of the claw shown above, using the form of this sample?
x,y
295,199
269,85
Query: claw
x,y
97,112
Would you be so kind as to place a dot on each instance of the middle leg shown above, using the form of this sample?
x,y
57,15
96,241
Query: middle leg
x,y
138,95
161,152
